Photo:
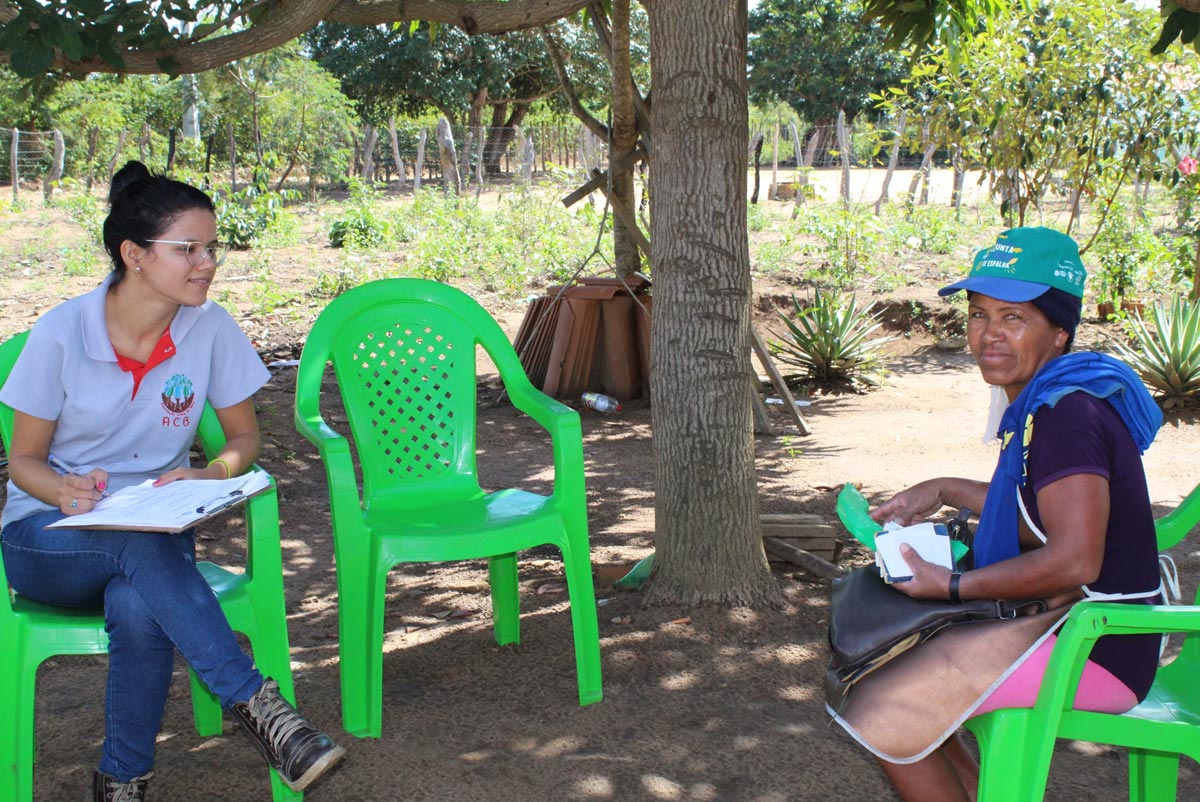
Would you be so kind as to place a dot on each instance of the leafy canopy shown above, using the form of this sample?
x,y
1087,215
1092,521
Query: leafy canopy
x,y
817,56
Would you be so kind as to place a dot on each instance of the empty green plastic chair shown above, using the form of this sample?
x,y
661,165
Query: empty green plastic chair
x,y
31,632
403,353
1016,745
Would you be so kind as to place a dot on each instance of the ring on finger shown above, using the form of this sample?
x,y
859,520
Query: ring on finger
x,y
74,503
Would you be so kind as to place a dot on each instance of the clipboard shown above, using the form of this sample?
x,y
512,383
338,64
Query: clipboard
x,y
172,508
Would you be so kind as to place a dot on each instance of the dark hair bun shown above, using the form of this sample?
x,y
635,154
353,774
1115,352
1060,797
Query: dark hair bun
x,y
127,176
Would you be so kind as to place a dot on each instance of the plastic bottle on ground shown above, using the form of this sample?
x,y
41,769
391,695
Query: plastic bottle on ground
x,y
601,402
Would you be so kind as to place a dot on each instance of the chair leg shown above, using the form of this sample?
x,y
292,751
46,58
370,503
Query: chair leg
x,y
1008,763
206,708
1153,776
16,727
360,651
280,792
584,624
506,612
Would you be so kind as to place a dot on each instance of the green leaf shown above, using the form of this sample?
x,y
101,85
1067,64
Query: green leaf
x,y
110,54
71,44
31,58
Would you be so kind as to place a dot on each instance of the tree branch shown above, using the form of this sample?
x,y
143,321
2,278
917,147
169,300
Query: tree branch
x,y
473,16
292,18
568,88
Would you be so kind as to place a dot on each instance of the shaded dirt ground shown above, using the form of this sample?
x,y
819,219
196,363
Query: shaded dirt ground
x,y
700,704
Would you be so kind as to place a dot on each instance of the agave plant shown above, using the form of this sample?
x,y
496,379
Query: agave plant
x,y
830,340
1167,358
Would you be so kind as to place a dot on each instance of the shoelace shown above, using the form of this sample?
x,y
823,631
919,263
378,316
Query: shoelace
x,y
132,791
276,718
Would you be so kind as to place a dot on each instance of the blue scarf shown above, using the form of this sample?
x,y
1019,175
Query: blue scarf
x,y
1095,374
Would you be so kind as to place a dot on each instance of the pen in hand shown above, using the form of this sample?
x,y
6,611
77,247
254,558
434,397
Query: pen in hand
x,y
58,464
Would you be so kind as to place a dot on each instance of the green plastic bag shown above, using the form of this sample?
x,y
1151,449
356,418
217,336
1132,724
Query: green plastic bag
x,y
854,511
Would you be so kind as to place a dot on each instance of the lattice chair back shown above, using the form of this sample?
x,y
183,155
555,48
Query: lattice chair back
x,y
403,353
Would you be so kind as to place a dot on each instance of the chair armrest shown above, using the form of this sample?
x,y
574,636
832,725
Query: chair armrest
x,y
1175,525
335,454
264,555
1086,623
566,435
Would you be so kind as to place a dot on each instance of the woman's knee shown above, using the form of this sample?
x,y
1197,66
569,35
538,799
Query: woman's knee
x,y
128,620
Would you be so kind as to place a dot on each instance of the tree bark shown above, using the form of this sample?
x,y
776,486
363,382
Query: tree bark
x,y
626,261
708,533
501,133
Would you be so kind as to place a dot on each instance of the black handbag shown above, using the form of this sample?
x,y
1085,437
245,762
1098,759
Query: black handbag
x,y
872,623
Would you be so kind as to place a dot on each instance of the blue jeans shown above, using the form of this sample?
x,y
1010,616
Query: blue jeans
x,y
155,601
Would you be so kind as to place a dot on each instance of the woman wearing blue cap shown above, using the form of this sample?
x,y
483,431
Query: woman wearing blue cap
x,y
1066,515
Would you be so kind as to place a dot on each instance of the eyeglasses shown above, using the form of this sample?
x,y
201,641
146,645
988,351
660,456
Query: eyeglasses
x,y
197,252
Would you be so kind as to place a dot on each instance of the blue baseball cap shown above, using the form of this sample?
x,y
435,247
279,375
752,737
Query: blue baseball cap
x,y
1023,264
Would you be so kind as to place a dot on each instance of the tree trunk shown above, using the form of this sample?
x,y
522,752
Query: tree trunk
x,y
626,261
501,134
708,533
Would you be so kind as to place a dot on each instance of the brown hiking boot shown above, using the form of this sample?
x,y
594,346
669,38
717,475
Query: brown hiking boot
x,y
293,747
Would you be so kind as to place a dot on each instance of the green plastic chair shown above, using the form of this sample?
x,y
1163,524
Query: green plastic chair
x,y
403,353
31,632
1016,745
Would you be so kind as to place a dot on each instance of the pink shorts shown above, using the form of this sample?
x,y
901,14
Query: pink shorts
x,y
1099,691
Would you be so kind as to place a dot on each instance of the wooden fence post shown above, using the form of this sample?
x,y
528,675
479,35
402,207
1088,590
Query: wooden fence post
x,y
144,143
56,166
14,168
479,171
370,136
112,163
449,159
893,157
420,166
93,145
956,191
775,161
844,147
396,152
232,160
528,155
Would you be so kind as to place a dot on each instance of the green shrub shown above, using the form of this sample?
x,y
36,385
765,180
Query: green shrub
x,y
361,226
849,242
243,217
830,340
1167,358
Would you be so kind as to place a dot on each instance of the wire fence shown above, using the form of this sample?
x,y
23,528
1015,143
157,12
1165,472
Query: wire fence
x,y
404,155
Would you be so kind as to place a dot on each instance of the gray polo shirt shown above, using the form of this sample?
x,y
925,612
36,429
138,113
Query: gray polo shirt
x,y
68,373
